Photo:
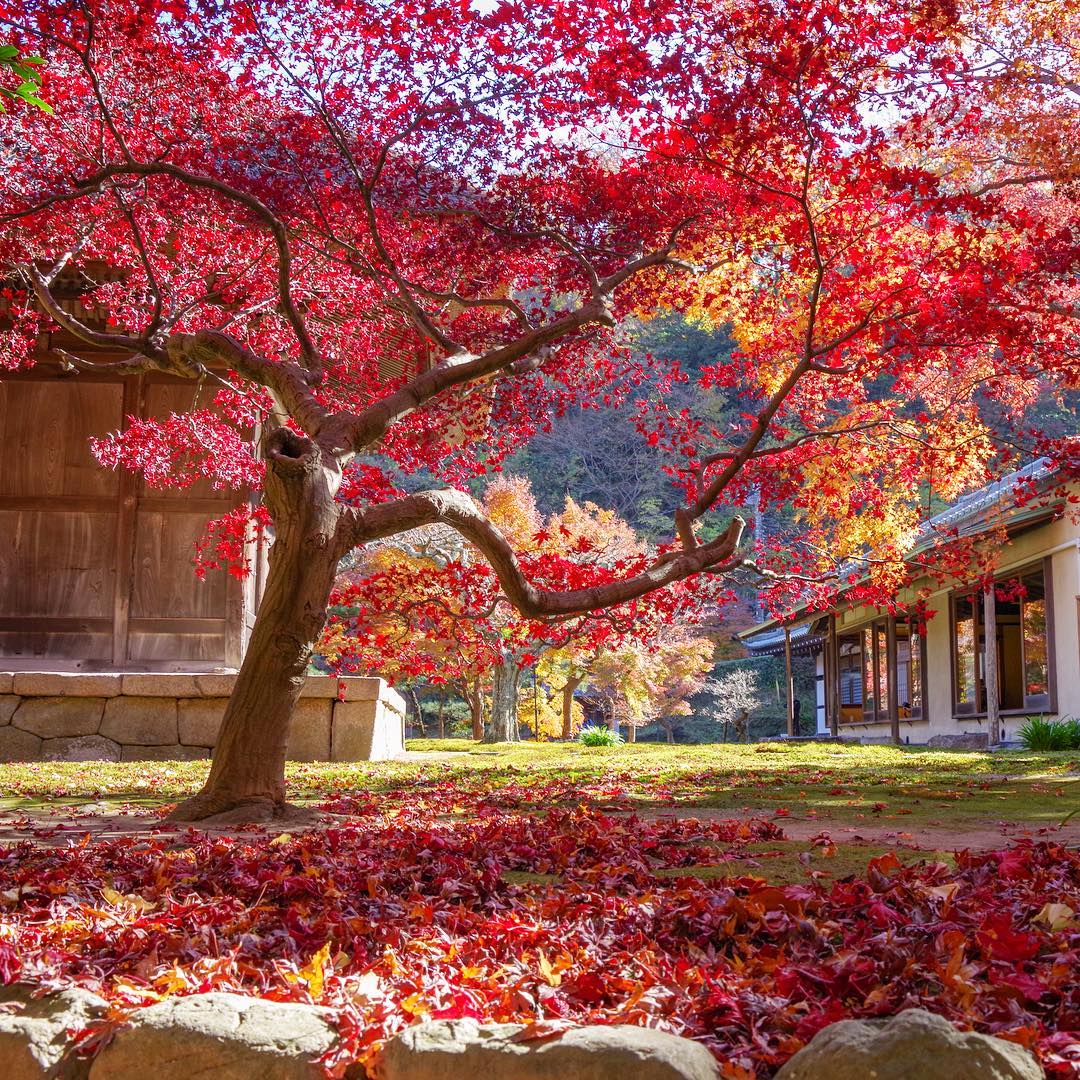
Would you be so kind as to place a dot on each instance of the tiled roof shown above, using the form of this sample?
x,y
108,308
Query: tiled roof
x,y
969,510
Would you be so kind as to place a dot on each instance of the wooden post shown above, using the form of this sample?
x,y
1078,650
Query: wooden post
x,y
893,702
788,683
832,690
993,698
134,401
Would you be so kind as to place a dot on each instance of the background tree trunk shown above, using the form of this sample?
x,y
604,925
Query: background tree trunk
x,y
419,713
474,698
504,701
568,706
247,776
441,718
631,732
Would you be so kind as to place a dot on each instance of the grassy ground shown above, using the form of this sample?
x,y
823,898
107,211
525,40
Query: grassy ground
x,y
552,867
909,794
838,783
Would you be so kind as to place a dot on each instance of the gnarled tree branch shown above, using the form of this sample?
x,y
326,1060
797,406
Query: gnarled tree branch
x,y
456,509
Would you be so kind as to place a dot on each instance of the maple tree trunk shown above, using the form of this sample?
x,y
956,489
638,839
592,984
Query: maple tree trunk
x,y
247,776
504,701
475,698
419,714
568,707
631,732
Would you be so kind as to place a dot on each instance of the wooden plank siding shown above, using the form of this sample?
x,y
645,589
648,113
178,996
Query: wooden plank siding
x,y
95,567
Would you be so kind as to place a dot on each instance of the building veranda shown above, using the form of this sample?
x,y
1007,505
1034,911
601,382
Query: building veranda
x,y
919,673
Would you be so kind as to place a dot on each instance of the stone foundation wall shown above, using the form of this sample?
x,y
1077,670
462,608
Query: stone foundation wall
x,y
56,716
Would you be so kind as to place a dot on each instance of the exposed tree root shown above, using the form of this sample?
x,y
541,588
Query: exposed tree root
x,y
209,809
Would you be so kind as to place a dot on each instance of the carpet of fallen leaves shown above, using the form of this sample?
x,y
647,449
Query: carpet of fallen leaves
x,y
439,899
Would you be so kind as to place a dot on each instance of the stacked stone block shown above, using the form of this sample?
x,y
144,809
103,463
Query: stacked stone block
x,y
61,716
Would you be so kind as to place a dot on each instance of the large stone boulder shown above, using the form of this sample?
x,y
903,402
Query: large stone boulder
x,y
466,1050
80,748
59,717
35,1033
8,704
914,1045
145,721
226,1036
19,745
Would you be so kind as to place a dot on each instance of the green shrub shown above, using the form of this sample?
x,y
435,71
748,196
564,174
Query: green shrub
x,y
598,736
1039,733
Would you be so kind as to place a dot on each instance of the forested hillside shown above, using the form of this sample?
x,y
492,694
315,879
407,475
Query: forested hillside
x,y
599,455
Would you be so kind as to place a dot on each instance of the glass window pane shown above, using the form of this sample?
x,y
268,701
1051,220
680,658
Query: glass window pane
x,y
868,672
1036,654
915,674
964,651
882,669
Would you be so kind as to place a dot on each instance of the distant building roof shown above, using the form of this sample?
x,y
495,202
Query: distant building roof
x,y
969,516
770,642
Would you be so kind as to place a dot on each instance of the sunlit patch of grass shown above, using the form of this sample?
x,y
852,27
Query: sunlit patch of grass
x,y
527,877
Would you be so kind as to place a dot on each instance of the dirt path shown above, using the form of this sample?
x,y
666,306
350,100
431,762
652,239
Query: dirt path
x,y
945,836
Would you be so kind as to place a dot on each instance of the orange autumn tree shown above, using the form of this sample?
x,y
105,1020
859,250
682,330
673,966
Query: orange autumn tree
x,y
651,678
425,606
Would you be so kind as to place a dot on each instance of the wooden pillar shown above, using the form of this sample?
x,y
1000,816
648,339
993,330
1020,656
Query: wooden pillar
x,y
893,702
134,399
832,689
788,682
993,696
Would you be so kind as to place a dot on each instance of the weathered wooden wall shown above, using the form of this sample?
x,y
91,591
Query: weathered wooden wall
x,y
95,567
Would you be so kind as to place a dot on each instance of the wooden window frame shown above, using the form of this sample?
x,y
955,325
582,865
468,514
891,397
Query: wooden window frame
x,y
1049,706
879,711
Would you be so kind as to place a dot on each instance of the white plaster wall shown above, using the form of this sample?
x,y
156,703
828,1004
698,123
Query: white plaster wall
x,y
1066,575
822,725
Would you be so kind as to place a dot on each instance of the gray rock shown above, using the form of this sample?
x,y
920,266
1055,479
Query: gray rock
x,y
34,1032
146,721
465,1050
19,745
226,1036
967,740
8,704
365,731
200,719
913,1045
59,717
309,736
80,748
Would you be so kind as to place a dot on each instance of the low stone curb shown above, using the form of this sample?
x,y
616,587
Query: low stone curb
x,y
236,1037
64,716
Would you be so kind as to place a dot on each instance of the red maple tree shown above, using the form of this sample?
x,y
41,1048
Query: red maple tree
x,y
411,231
